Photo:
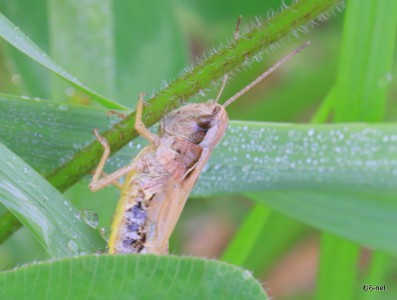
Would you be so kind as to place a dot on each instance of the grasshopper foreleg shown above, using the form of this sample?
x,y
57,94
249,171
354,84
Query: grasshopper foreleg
x,y
99,183
139,126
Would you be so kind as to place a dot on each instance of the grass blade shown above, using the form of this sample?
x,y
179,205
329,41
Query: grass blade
x,y
341,213
344,256
360,94
15,37
74,27
42,209
259,155
35,26
366,61
242,245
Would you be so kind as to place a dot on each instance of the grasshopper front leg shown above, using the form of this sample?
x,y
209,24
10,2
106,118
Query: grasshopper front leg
x,y
139,126
99,183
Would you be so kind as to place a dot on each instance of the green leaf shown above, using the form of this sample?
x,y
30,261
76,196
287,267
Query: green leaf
x,y
149,47
82,37
262,239
360,94
364,217
36,27
366,61
338,266
15,37
42,209
130,277
253,156
278,237
242,245
381,264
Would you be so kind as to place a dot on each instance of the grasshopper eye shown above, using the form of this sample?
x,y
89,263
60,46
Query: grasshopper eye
x,y
204,122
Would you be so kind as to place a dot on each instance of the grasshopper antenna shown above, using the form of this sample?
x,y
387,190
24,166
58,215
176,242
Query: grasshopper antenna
x,y
266,73
224,80
236,36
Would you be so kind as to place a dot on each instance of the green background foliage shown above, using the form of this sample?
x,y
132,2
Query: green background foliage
x,y
304,183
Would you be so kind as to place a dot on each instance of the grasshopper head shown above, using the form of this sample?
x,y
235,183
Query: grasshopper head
x,y
202,123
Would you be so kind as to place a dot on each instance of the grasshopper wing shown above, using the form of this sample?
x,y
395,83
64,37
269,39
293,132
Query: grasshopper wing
x,y
167,206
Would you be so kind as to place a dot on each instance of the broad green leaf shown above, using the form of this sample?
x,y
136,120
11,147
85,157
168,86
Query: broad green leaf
x,y
365,217
15,37
130,277
43,210
252,157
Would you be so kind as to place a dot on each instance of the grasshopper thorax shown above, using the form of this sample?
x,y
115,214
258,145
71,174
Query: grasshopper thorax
x,y
198,123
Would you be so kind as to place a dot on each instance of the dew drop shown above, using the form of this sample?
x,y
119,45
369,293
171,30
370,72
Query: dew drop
x,y
74,234
77,216
246,168
70,92
63,107
16,79
73,247
105,233
90,217
247,275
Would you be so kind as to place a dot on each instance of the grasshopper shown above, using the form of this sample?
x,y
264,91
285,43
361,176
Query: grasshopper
x,y
158,181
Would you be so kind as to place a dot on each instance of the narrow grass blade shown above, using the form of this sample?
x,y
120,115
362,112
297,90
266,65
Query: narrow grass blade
x,y
340,271
26,71
241,246
366,218
360,94
15,37
42,209
81,36
366,61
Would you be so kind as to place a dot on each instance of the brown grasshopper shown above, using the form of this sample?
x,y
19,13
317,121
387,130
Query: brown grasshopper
x,y
160,178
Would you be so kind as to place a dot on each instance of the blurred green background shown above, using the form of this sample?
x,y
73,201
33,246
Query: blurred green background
x,y
120,48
